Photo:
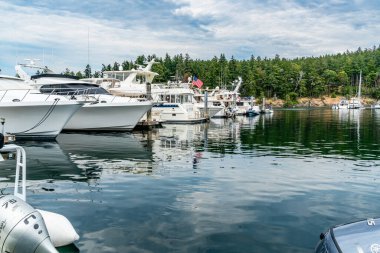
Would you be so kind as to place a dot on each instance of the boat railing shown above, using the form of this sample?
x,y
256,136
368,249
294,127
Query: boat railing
x,y
70,93
88,94
17,96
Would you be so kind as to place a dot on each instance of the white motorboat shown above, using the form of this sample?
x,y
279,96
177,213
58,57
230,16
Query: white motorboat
x,y
355,104
376,105
266,109
173,102
105,113
232,102
30,114
343,104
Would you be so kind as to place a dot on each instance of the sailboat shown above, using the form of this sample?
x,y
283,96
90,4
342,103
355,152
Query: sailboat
x,y
355,102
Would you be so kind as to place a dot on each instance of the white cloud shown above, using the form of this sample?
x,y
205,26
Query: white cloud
x,y
202,29
285,27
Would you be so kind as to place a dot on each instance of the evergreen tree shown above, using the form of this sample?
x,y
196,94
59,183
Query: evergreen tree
x,y
87,71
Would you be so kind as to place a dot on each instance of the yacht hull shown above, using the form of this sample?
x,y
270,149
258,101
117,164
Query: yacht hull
x,y
212,110
108,116
177,113
36,120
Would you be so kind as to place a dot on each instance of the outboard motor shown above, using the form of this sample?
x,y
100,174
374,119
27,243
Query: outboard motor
x,y
22,228
357,237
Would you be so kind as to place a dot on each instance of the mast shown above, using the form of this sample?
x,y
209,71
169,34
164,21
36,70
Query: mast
x,y
360,86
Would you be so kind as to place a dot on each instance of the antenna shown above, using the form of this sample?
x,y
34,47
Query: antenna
x,y
88,46
51,55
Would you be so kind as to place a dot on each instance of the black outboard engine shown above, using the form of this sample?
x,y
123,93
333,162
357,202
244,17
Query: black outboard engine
x,y
357,237
1,140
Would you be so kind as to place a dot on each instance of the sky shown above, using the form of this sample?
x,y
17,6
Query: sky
x,y
70,34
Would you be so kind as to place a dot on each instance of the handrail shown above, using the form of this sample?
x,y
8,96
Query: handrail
x,y
3,95
25,95
20,165
27,92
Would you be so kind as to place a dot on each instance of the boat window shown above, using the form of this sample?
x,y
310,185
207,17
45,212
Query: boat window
x,y
239,103
178,99
72,89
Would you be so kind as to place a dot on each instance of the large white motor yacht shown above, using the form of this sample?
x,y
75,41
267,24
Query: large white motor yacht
x,y
105,112
27,113
173,102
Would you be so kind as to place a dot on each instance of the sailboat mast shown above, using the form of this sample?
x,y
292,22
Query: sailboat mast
x,y
360,85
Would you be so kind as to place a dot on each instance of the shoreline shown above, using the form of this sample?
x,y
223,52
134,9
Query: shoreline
x,y
314,102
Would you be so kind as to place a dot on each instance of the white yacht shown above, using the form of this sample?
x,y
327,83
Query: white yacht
x,y
105,112
173,102
233,104
27,113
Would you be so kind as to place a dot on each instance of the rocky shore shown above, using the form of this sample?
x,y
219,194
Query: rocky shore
x,y
315,102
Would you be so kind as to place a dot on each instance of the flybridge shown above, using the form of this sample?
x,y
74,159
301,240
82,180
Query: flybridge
x,y
31,65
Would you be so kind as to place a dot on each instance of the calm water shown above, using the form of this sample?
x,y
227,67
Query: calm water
x,y
271,183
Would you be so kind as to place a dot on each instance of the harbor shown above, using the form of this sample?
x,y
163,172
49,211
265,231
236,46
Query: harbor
x,y
189,126
267,183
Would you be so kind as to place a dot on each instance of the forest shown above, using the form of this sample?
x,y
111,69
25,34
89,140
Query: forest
x,y
313,77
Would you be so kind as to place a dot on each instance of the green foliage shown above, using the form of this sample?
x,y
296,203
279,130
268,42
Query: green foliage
x,y
293,96
278,77
290,100
376,94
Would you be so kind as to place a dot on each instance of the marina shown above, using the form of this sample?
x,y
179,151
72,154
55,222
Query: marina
x,y
188,126
268,183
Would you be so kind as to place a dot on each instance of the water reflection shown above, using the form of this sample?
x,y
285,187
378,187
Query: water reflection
x,y
308,133
46,162
95,153
332,133
264,184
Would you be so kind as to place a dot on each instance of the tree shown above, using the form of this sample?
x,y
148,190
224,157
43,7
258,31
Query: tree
x,y
87,71
305,76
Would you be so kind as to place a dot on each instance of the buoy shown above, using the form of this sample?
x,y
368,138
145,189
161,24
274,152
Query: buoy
x,y
61,231
22,228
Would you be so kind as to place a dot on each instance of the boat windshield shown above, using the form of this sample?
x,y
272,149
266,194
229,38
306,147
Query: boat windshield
x,y
73,89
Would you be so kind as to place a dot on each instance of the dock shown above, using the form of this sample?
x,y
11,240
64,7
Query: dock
x,y
147,125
